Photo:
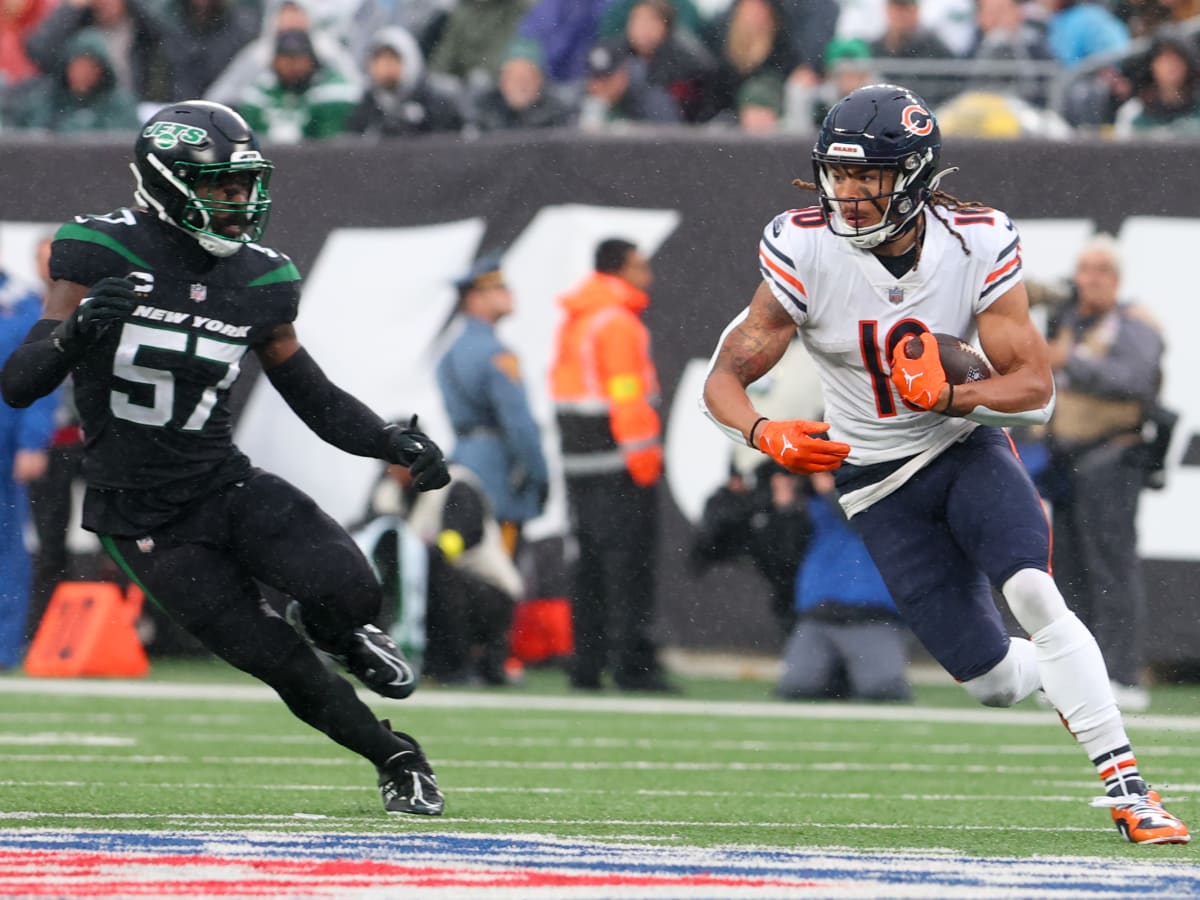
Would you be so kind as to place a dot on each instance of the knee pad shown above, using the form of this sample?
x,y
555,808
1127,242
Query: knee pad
x,y
1011,680
1034,599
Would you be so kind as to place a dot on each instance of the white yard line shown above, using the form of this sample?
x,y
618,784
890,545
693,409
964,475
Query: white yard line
x,y
152,690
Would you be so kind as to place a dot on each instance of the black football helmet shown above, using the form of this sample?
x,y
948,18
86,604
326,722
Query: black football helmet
x,y
186,143
884,126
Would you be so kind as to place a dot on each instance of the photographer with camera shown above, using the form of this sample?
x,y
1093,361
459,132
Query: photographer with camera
x,y
1107,441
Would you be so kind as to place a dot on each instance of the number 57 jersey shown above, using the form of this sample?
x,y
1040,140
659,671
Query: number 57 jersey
x,y
153,391
852,312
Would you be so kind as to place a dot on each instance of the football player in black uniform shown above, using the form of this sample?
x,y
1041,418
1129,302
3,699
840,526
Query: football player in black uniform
x,y
152,309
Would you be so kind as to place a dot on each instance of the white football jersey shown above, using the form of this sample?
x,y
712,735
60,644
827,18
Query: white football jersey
x,y
851,313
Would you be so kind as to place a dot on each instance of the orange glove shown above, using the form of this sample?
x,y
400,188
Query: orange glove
x,y
790,445
645,465
919,381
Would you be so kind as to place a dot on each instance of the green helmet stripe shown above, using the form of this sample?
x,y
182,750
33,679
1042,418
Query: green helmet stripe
x,y
73,231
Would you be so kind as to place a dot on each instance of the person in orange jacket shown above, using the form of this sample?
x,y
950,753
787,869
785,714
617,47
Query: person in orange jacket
x,y
605,392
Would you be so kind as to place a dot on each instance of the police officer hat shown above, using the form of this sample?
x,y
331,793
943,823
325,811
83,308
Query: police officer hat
x,y
484,272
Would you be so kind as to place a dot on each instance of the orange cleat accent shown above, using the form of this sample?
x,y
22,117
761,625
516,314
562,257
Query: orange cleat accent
x,y
1141,819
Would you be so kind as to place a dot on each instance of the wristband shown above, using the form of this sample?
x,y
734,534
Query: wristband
x,y
750,437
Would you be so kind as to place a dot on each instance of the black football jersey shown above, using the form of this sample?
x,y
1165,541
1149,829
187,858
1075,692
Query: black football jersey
x,y
153,391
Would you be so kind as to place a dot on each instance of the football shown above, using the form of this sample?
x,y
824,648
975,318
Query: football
x,y
961,361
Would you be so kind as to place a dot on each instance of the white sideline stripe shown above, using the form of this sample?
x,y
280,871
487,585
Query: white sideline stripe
x,y
151,690
268,819
71,739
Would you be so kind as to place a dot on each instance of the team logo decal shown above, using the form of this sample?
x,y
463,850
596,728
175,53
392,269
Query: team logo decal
x,y
198,293
916,120
169,134
895,296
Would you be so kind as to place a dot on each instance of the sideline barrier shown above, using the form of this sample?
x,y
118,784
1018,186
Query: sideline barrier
x,y
88,630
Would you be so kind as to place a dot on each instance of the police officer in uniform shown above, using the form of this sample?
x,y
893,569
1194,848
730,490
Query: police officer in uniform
x,y
151,310
480,380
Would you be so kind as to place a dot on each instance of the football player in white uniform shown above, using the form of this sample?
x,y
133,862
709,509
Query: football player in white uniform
x,y
924,468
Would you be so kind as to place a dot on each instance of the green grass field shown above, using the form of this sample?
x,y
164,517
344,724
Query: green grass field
x,y
199,745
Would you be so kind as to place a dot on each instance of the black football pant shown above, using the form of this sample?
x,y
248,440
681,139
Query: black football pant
x,y
202,570
616,527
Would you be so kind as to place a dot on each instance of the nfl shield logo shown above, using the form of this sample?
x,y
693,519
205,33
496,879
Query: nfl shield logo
x,y
895,296
198,292
145,544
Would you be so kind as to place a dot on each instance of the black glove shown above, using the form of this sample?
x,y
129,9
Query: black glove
x,y
411,447
110,300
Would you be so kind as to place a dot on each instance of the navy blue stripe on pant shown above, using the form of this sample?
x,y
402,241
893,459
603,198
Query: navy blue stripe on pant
x,y
960,527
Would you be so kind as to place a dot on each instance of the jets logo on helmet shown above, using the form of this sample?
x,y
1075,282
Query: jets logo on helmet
x,y
198,166
916,120
167,134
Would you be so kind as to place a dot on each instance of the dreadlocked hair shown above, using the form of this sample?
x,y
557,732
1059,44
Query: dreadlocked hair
x,y
936,199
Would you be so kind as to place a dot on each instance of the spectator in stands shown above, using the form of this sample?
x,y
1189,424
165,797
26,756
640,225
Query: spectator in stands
x,y
688,18
425,20
760,105
202,38
673,59
399,99
905,37
299,98
751,39
1076,30
18,18
566,31
81,96
848,66
521,98
811,25
477,40
618,93
1168,100
133,39
1005,36
255,59
470,583
848,642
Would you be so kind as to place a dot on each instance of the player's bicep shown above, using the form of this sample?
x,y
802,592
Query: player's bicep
x,y
62,298
756,343
1009,337
280,346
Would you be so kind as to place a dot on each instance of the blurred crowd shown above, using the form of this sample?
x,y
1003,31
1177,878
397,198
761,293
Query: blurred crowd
x,y
312,69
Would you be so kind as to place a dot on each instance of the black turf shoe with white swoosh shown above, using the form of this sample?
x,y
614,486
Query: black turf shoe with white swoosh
x,y
366,653
374,659
406,781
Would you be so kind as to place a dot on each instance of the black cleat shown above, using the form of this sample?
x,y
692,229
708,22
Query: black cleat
x,y
407,783
368,654
374,659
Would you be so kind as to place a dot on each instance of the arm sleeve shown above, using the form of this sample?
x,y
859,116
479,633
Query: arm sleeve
x,y
1005,269
335,416
35,368
777,265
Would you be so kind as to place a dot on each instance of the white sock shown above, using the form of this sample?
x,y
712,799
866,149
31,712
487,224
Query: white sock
x,y
1071,665
1011,680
